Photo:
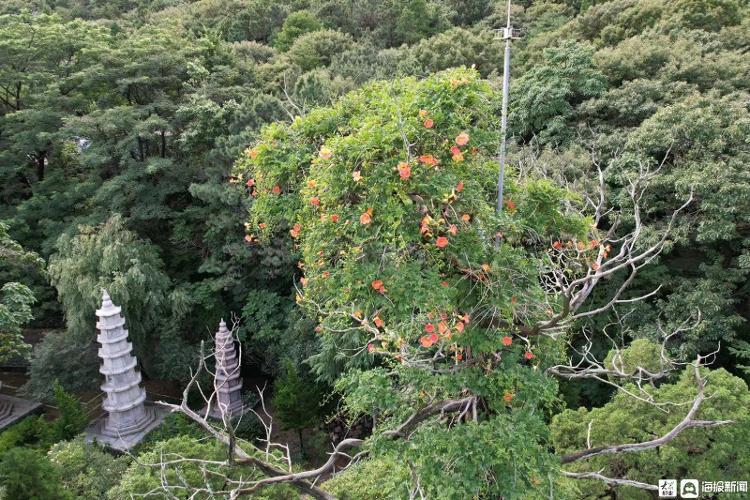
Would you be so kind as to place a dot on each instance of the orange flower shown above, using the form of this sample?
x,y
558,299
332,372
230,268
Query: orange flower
x,y
460,327
311,183
366,217
429,328
444,283
262,225
453,229
315,201
459,356
295,230
378,322
428,341
528,355
377,284
441,242
510,204
253,153
557,245
334,218
460,186
249,238
466,217
462,139
356,175
250,183
428,123
425,225
458,157
325,153
595,266
276,189
325,274
455,150
507,340
594,243
442,328
428,159
404,170
370,347
507,397
423,113
303,280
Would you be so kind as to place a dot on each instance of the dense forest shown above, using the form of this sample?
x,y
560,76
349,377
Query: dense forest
x,y
322,175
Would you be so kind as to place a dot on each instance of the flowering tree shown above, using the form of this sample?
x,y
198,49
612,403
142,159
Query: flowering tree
x,y
443,320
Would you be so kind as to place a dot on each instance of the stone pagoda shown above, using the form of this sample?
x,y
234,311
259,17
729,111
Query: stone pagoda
x,y
128,417
227,398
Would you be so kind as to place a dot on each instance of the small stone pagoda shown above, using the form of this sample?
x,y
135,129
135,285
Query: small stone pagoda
x,y
128,418
227,398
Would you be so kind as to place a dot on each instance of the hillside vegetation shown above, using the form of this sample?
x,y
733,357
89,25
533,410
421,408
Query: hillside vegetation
x,y
325,170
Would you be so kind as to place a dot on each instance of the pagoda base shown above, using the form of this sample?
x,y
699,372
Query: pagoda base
x,y
100,433
214,412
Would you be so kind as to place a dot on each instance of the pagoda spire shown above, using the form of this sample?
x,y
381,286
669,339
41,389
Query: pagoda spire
x,y
128,418
227,399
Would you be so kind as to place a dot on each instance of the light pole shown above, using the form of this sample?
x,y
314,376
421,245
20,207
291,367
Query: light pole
x,y
507,36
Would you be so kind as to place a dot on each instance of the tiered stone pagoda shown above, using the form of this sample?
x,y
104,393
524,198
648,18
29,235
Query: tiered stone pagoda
x,y
227,398
128,418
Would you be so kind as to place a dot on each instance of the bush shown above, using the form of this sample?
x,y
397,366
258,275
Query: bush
x,y
174,425
72,419
28,474
318,48
295,25
29,432
86,470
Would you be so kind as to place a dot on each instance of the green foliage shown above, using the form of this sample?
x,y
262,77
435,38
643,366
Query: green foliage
x,y
86,470
419,19
27,473
383,477
316,49
174,425
140,108
295,25
28,432
298,402
141,478
706,453
16,299
72,419
544,97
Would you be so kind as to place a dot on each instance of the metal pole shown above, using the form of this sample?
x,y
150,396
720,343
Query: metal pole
x,y
507,33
